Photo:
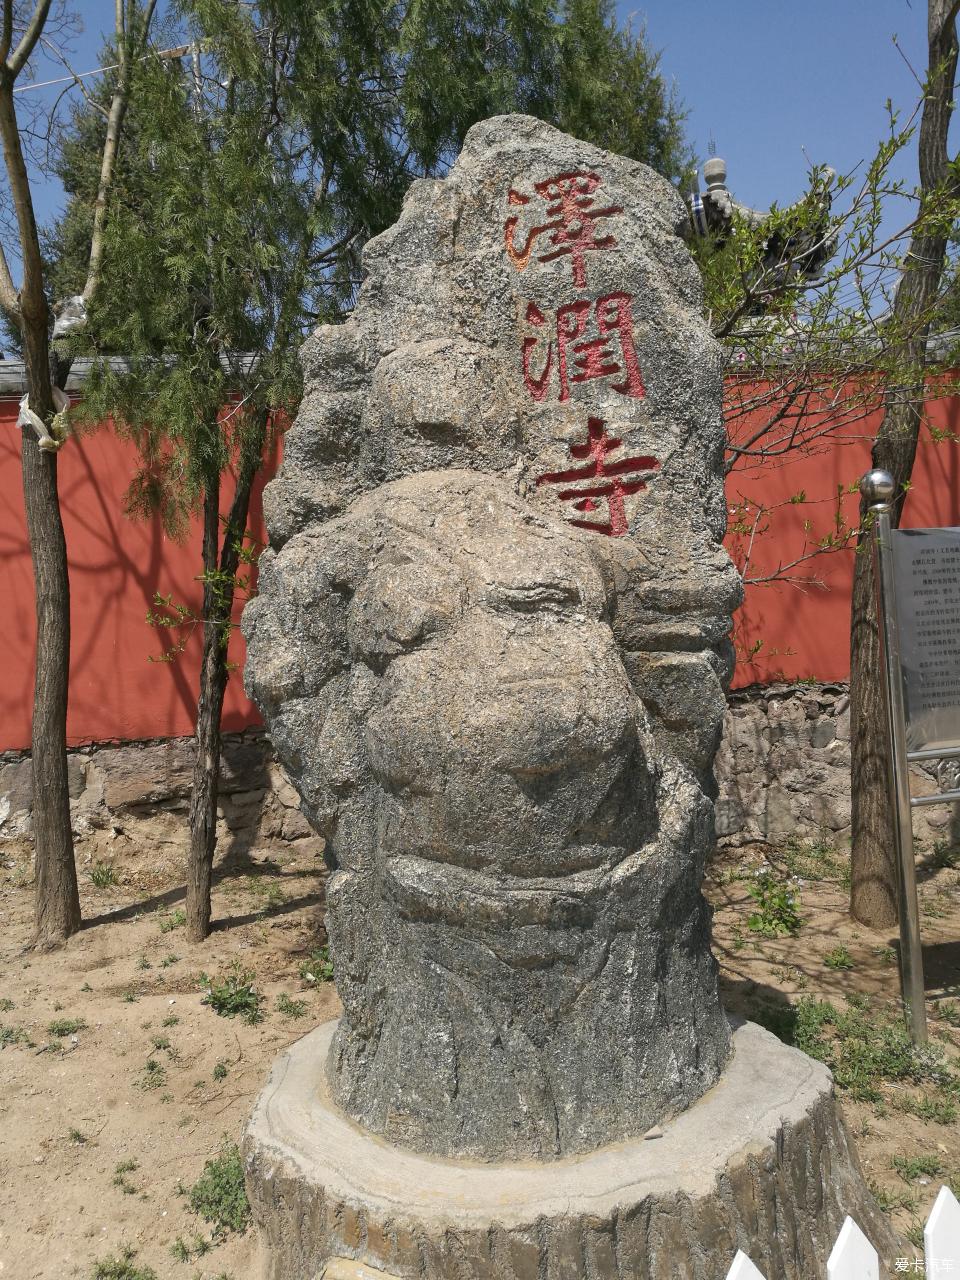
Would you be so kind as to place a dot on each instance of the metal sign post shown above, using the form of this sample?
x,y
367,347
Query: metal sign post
x,y
878,487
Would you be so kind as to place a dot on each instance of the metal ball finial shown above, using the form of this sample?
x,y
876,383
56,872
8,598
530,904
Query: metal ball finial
x,y
878,487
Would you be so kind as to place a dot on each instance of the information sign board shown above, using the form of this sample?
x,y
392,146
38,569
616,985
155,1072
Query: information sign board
x,y
926,570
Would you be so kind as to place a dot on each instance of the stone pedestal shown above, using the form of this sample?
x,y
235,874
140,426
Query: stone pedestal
x,y
761,1162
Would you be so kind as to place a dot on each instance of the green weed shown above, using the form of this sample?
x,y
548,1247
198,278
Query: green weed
x,y
173,920
154,1075
219,1195
121,1268
120,1176
291,1008
910,1168
66,1026
184,1251
318,967
103,875
838,958
233,994
935,1107
891,1200
777,902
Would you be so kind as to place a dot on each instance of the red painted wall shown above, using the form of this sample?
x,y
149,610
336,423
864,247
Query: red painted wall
x,y
797,630
117,565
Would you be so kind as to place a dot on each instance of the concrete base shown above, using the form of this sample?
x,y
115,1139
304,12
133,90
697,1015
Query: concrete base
x,y
762,1162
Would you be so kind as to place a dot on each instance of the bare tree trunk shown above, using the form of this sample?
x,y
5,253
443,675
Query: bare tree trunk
x,y
218,600
57,897
873,886
206,765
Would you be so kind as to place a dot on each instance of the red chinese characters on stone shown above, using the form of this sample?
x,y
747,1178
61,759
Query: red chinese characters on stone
x,y
581,358
571,223
599,481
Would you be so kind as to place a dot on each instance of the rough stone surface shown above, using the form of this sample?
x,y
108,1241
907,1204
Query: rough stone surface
x,y
490,647
517,912
762,1162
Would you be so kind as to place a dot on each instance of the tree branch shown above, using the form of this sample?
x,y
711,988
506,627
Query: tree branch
x,y
6,36
8,290
26,46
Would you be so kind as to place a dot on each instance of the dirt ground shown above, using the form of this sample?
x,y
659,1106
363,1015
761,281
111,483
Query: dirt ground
x,y
762,976
97,1143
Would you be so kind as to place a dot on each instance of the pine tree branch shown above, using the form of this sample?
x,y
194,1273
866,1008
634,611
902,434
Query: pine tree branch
x,y
16,62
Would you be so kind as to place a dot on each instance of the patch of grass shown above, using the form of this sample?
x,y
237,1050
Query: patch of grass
x,y
130,997
184,1251
891,1200
219,1196
120,1267
144,963
949,1010
291,1008
103,875
170,1020
816,859
777,903
945,854
12,1035
220,1070
914,1234
167,961
233,994
910,1168
935,906
885,954
936,1107
75,1136
66,1026
6,1005
154,1075
318,967
838,958
864,1047
120,1176
163,1042
173,920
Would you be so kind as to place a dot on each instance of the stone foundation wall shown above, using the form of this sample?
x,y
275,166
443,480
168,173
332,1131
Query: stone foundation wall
x,y
141,790
783,770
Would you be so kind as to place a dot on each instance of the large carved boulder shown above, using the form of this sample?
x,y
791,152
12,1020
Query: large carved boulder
x,y
520,940
490,646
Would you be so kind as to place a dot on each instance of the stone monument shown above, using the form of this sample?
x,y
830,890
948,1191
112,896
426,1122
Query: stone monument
x,y
490,646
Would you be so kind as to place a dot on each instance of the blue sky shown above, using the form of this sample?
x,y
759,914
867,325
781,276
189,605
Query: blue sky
x,y
777,81
773,82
